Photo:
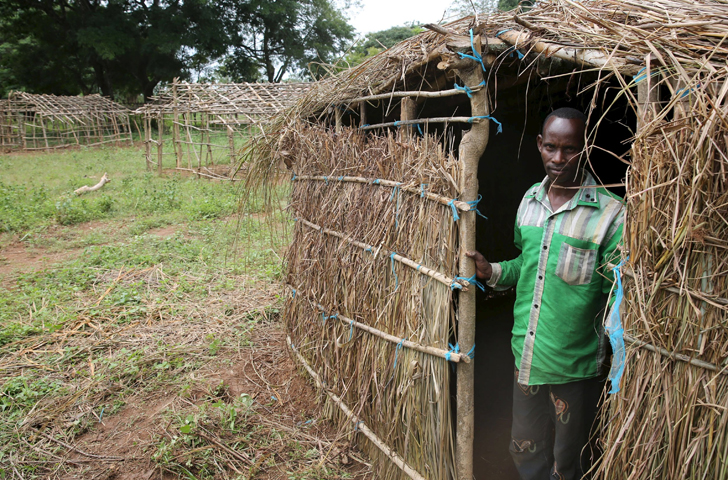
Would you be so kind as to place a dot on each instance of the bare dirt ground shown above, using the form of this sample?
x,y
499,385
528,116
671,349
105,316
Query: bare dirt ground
x,y
120,447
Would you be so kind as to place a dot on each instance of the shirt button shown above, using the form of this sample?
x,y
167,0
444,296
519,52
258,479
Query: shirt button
x,y
531,333
535,306
540,277
545,247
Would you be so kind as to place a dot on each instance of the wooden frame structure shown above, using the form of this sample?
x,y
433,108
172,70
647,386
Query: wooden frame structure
x,y
199,123
45,122
666,61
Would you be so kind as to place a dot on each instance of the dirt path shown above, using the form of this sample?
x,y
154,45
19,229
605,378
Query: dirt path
x,y
284,409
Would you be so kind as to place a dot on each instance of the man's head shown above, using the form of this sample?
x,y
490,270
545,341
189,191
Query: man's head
x,y
561,143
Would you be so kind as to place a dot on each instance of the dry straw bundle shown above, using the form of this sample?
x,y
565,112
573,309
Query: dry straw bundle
x,y
400,393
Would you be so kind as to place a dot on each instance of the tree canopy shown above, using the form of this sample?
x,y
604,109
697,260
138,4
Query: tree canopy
x,y
377,42
127,47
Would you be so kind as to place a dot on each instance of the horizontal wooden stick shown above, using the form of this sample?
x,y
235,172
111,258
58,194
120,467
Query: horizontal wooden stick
x,y
718,302
358,424
219,177
462,206
591,57
676,356
399,123
438,94
444,279
434,351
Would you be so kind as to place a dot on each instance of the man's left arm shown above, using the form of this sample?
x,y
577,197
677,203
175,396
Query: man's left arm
x,y
610,254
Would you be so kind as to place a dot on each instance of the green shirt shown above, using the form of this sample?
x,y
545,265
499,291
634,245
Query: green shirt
x,y
561,282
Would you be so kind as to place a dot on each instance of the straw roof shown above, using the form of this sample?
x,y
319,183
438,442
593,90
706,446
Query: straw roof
x,y
256,100
616,36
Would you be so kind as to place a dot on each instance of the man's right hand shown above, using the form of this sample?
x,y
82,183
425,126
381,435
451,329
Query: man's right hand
x,y
483,270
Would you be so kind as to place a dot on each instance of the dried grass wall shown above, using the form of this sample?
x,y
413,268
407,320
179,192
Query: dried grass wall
x,y
670,420
401,394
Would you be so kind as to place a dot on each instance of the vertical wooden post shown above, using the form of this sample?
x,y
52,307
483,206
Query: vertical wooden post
x,y
160,145
363,114
471,149
408,109
648,96
175,125
148,140
337,118
43,129
21,130
231,143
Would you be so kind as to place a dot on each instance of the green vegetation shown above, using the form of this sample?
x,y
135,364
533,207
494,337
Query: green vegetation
x,y
126,49
377,42
155,288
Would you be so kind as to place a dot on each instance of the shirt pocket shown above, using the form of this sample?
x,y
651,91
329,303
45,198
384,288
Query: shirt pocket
x,y
576,265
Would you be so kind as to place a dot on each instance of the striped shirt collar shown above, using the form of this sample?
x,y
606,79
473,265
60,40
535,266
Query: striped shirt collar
x,y
586,196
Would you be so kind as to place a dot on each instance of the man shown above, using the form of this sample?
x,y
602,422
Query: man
x,y
567,229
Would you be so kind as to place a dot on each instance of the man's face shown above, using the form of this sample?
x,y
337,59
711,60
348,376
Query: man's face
x,y
561,145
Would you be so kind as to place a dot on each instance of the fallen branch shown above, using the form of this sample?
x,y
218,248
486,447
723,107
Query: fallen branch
x,y
104,180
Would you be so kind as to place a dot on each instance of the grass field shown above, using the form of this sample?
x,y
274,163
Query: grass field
x,y
138,333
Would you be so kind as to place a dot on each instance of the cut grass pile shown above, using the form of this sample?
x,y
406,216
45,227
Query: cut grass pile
x,y
166,289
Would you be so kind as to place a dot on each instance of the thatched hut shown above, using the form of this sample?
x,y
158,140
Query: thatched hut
x,y
44,122
389,160
200,122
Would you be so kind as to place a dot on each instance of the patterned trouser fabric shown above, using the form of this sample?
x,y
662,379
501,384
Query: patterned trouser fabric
x,y
551,425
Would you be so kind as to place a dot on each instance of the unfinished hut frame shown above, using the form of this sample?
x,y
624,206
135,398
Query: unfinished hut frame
x,y
203,125
46,122
384,199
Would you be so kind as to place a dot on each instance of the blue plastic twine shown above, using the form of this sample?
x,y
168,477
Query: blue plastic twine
x,y
468,91
398,123
474,206
455,215
294,292
476,55
376,181
341,179
472,280
500,125
422,189
351,329
453,349
502,32
396,278
471,352
323,315
396,352
616,333
419,129
326,179
293,178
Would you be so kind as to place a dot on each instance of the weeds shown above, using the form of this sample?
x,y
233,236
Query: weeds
x,y
135,313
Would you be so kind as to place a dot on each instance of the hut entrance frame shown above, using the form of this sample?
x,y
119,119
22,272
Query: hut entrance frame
x,y
201,125
46,122
673,274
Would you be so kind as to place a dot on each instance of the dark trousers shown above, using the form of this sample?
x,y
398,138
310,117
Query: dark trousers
x,y
551,426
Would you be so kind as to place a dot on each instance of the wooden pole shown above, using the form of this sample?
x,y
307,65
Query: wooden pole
x,y
337,118
175,125
160,145
471,149
648,96
362,113
359,425
148,141
408,112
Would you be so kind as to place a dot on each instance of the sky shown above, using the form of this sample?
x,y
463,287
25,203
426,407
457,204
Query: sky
x,y
375,15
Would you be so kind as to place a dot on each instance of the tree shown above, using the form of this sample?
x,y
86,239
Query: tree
x,y
279,37
377,42
111,46
464,8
